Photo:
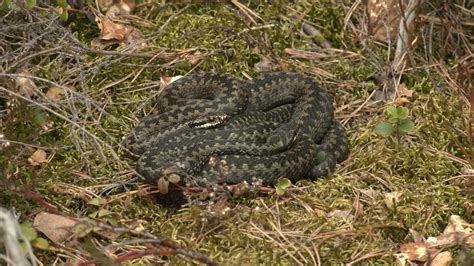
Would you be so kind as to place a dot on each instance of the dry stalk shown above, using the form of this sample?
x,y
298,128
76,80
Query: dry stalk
x,y
10,236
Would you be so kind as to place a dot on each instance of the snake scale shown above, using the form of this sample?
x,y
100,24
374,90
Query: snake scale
x,y
221,129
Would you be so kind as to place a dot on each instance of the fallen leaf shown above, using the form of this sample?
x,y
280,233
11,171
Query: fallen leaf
x,y
384,18
371,193
442,259
457,232
165,81
114,33
38,157
109,234
391,199
401,258
163,185
264,65
457,225
54,93
403,95
117,7
416,251
55,227
25,85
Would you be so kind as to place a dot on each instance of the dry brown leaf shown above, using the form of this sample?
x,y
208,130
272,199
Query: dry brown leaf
x,y
109,234
163,185
114,33
442,259
117,7
416,251
404,95
264,65
404,92
54,93
457,232
55,227
384,17
38,157
25,85
165,81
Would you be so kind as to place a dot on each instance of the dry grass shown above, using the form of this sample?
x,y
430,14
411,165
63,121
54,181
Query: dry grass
x,y
342,218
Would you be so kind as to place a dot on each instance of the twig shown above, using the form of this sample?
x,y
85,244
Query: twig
x,y
10,235
171,247
83,129
403,40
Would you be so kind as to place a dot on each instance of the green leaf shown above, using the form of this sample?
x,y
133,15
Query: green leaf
x,y
279,191
402,112
112,221
384,129
28,231
97,201
406,126
30,3
40,243
64,15
104,212
39,115
284,183
392,111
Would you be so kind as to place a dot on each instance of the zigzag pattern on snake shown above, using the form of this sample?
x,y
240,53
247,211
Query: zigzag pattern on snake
x,y
218,128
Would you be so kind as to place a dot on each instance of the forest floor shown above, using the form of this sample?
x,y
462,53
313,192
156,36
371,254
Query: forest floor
x,y
70,93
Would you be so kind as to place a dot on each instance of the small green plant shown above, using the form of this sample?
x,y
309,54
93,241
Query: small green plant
x,y
398,122
282,185
101,212
30,233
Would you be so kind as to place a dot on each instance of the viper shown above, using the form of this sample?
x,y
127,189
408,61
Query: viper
x,y
220,129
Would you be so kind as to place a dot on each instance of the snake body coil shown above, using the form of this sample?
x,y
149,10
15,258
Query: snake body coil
x,y
220,129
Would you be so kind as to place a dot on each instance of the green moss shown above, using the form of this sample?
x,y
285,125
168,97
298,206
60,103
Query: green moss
x,y
289,228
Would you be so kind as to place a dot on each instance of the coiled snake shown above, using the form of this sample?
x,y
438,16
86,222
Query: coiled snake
x,y
220,129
